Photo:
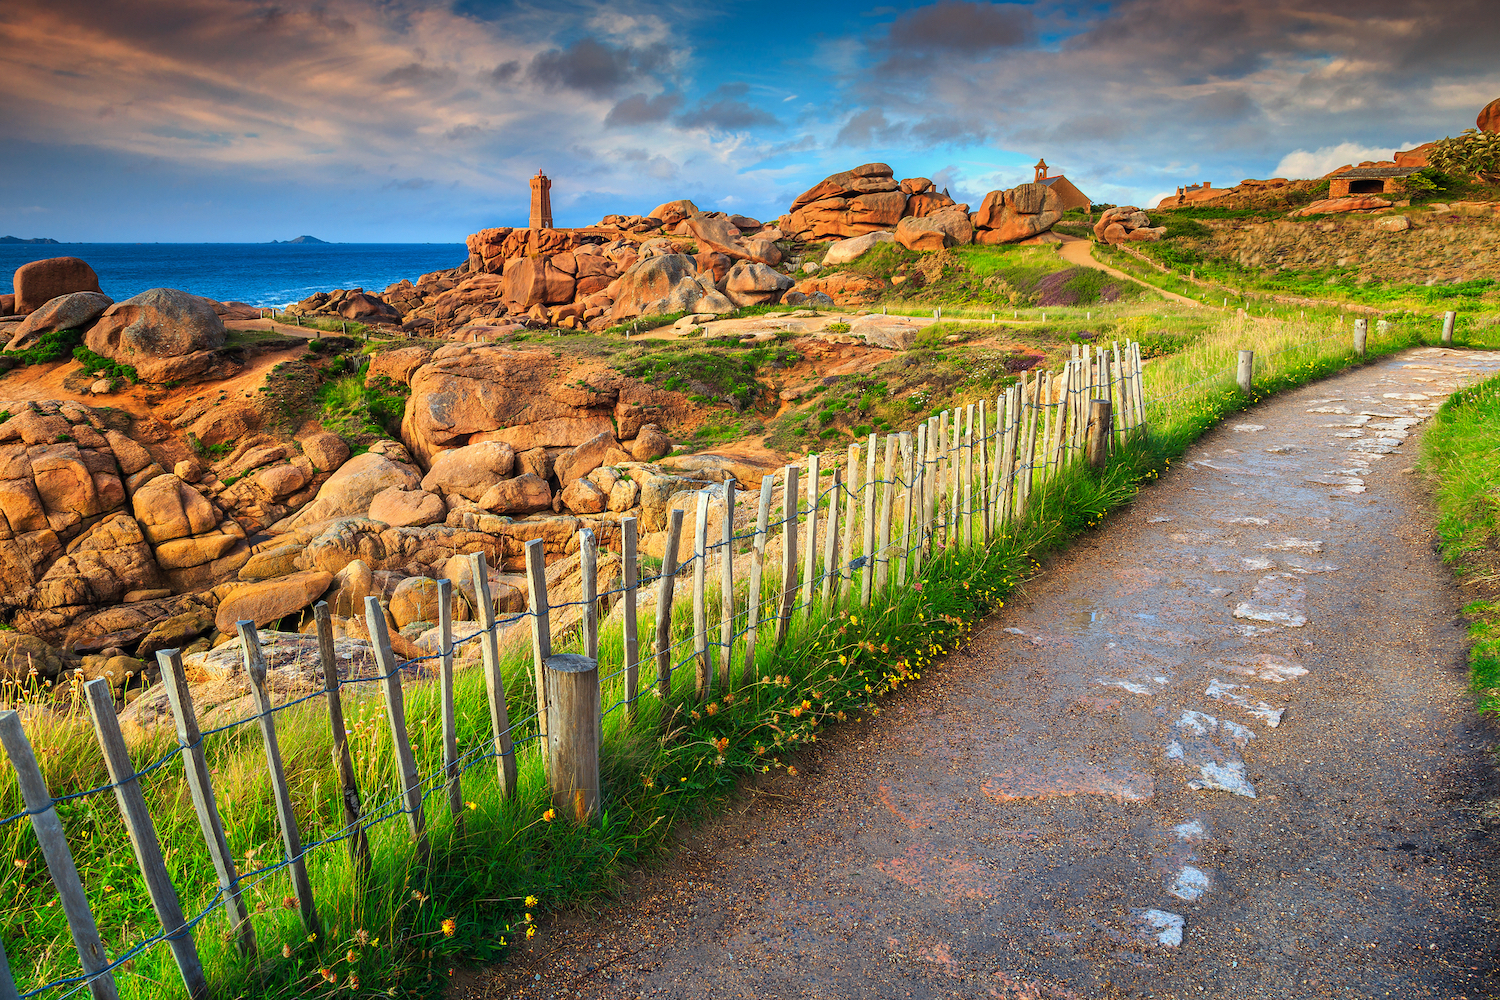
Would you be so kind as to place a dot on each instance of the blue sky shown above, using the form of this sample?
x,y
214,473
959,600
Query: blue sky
x,y
417,120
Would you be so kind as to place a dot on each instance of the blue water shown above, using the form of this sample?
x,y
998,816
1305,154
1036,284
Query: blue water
x,y
258,273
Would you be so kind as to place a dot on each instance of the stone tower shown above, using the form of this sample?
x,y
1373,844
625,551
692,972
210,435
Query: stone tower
x,y
541,201
1041,171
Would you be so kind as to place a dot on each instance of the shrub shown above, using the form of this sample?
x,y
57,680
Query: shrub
x,y
49,347
1471,152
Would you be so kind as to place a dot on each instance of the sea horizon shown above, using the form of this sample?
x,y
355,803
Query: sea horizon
x,y
269,275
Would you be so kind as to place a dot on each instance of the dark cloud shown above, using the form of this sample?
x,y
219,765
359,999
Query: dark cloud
x,y
505,72
638,109
596,68
723,110
867,128
944,130
460,132
418,77
967,28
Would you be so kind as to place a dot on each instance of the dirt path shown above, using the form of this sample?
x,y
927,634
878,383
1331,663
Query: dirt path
x,y
1221,748
1080,252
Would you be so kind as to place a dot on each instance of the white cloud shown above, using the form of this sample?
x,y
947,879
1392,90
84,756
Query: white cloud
x,y
1302,165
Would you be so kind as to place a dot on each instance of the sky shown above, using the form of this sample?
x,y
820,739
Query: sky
x,y
420,120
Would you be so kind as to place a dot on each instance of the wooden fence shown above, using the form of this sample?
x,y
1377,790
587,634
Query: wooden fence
x,y
960,479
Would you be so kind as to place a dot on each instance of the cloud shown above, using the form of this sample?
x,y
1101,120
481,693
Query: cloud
x,y
418,76
1301,164
638,109
596,68
410,184
956,26
866,128
505,72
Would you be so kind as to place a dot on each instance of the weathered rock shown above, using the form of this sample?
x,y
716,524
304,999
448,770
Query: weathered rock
x,y
650,444
946,228
407,508
851,249
164,333
350,490
40,281
26,658
657,491
1394,224
227,423
73,311
1018,214
167,508
367,308
624,495
846,288
582,497
673,212
890,332
585,458
1353,203
471,470
397,365
272,562
326,450
1489,117
279,481
665,284
534,281
536,462
270,600
107,560
415,600
351,585
176,632
750,284
525,494
844,182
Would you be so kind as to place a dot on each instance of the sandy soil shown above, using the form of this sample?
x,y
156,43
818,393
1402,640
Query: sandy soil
x,y
1078,251
1065,808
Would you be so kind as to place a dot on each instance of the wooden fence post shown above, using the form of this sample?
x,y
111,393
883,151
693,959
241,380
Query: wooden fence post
x,y
1448,318
1099,433
941,475
395,707
867,550
632,572
917,540
1140,385
451,766
984,479
541,630
200,787
846,550
494,678
665,588
757,569
930,487
968,476
573,741
8,989
705,678
588,578
887,506
908,495
789,495
830,544
291,839
1245,370
143,839
54,844
343,761
810,546
726,588
955,463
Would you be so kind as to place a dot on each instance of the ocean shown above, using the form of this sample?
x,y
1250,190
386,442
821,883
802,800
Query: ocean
x,y
261,274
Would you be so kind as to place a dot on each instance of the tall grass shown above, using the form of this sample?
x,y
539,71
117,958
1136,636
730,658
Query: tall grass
x,y
509,860
1462,449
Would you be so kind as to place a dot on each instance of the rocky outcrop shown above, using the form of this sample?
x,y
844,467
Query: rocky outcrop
x,y
937,231
846,288
407,508
669,283
270,600
753,284
849,203
40,281
194,543
165,334
73,311
1126,224
1489,117
1334,206
1017,214
348,303
846,251
349,490
525,494
470,471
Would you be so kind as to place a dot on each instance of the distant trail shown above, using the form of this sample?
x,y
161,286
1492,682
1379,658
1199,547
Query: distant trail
x,y
1080,252
1222,747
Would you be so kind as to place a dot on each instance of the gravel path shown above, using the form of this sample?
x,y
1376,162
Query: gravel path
x,y
1223,747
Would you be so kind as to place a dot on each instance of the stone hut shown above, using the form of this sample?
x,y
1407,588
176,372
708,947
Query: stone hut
x,y
1068,195
1382,180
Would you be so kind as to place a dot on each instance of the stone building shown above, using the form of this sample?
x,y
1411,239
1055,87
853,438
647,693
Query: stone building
x,y
1382,180
1067,194
541,202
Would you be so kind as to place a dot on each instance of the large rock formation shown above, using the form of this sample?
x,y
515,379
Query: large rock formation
x,y
941,229
849,203
40,281
1352,203
1126,224
1020,213
666,284
165,334
845,251
1489,117
73,311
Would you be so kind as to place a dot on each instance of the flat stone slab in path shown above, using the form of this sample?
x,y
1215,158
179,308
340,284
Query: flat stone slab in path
x,y
1223,747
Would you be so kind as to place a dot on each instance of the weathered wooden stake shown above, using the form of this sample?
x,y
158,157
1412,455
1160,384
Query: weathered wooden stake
x,y
541,629
54,844
846,550
887,506
395,707
1245,371
705,675
830,543
916,541
1448,318
143,837
940,475
867,575
291,839
810,546
664,609
726,589
984,480
572,683
494,678
632,571
1099,431
757,570
451,767
908,494
1140,384
968,476
588,582
789,494
200,786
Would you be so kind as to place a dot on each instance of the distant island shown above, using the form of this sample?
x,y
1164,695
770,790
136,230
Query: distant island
x,y
301,239
43,239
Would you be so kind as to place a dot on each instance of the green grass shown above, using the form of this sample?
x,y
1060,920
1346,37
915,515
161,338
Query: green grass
x,y
709,376
388,930
356,411
1461,448
49,347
